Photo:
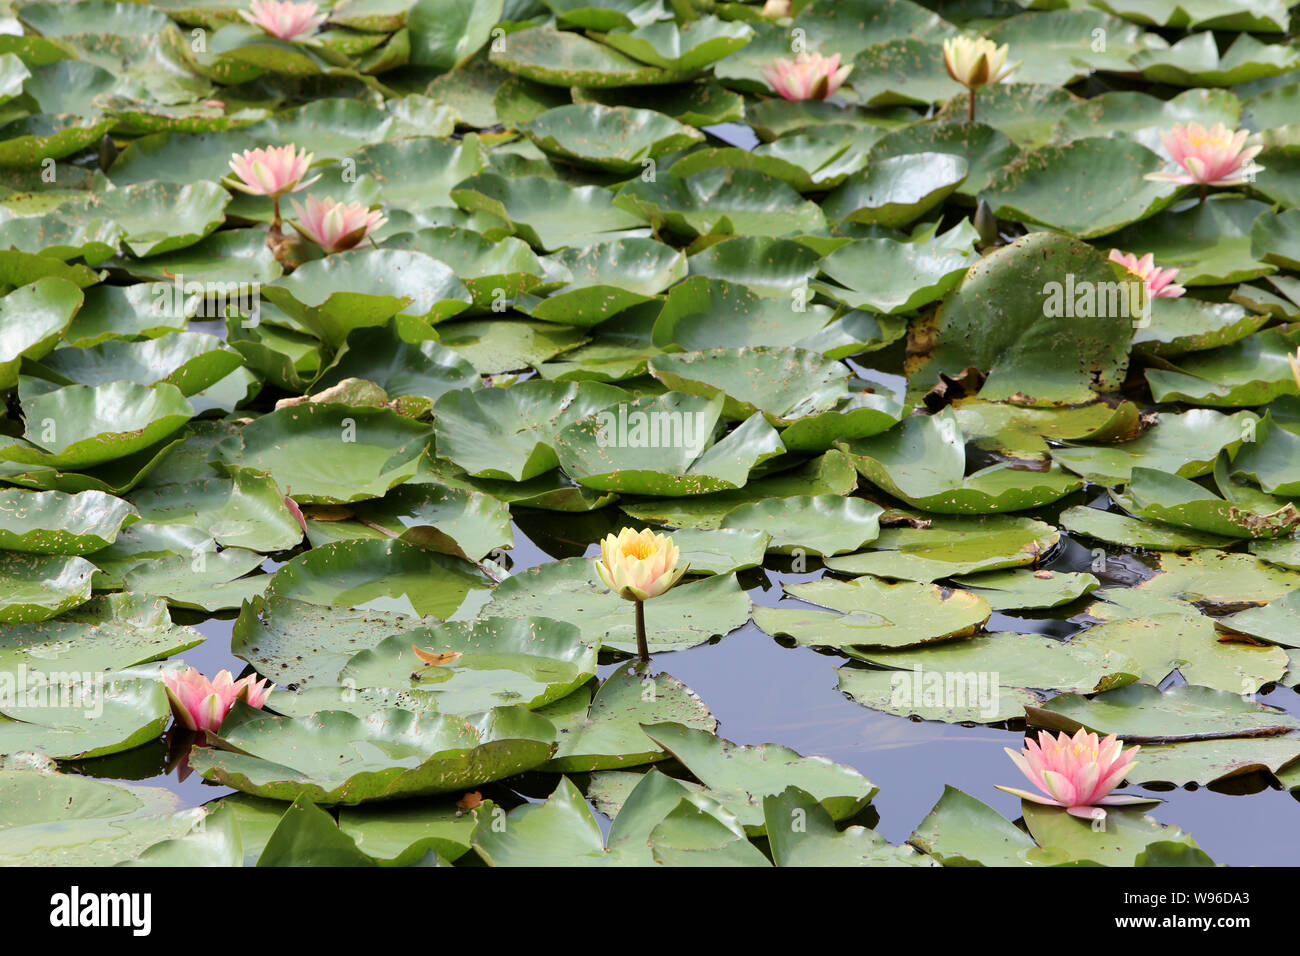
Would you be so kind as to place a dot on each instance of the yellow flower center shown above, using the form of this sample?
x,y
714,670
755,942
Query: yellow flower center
x,y
638,549
1207,140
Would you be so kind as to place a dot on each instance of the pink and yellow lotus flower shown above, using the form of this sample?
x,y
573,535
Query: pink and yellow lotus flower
x,y
273,171
1077,773
283,19
1159,282
202,704
809,76
637,566
335,226
1213,157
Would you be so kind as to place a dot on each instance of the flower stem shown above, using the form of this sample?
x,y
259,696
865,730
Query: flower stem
x,y
275,211
642,648
1204,191
971,112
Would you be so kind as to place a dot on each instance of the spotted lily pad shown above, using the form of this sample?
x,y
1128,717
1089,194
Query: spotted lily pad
x,y
51,522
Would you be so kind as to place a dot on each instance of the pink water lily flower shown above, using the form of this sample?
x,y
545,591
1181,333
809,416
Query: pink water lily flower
x,y
1295,366
1159,282
335,226
202,704
283,19
1077,773
809,76
272,171
1213,157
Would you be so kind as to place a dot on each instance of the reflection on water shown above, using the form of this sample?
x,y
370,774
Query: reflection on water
x,y
762,691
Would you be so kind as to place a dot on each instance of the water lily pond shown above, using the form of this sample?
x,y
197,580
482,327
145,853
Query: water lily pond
x,y
649,433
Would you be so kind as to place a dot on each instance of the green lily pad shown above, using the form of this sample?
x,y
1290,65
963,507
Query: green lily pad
x,y
1160,496
548,214
1208,243
1187,642
684,49
51,522
985,679
616,139
1022,590
602,731
1210,761
923,460
1024,307
47,306
1131,532
1140,712
390,576
1196,61
108,633
1185,324
1181,443
297,644
962,831
37,586
329,454
897,190
801,833
192,361
56,819
947,546
721,201
1252,371
820,524
663,446
1275,622
739,776
869,612
685,616
83,718
80,425
385,755
830,473
324,297
784,384
560,58
1126,837
888,276
1029,190
469,425
527,661
607,278
763,265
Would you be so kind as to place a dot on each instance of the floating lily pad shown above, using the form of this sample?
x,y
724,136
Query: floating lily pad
x,y
1140,712
51,522
603,731
897,190
820,524
468,425
329,454
689,614
782,384
1024,307
663,446
39,586
390,576
489,662
83,717
985,679
721,202
739,776
616,139
889,276
607,278
951,545
385,755
869,612
923,462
